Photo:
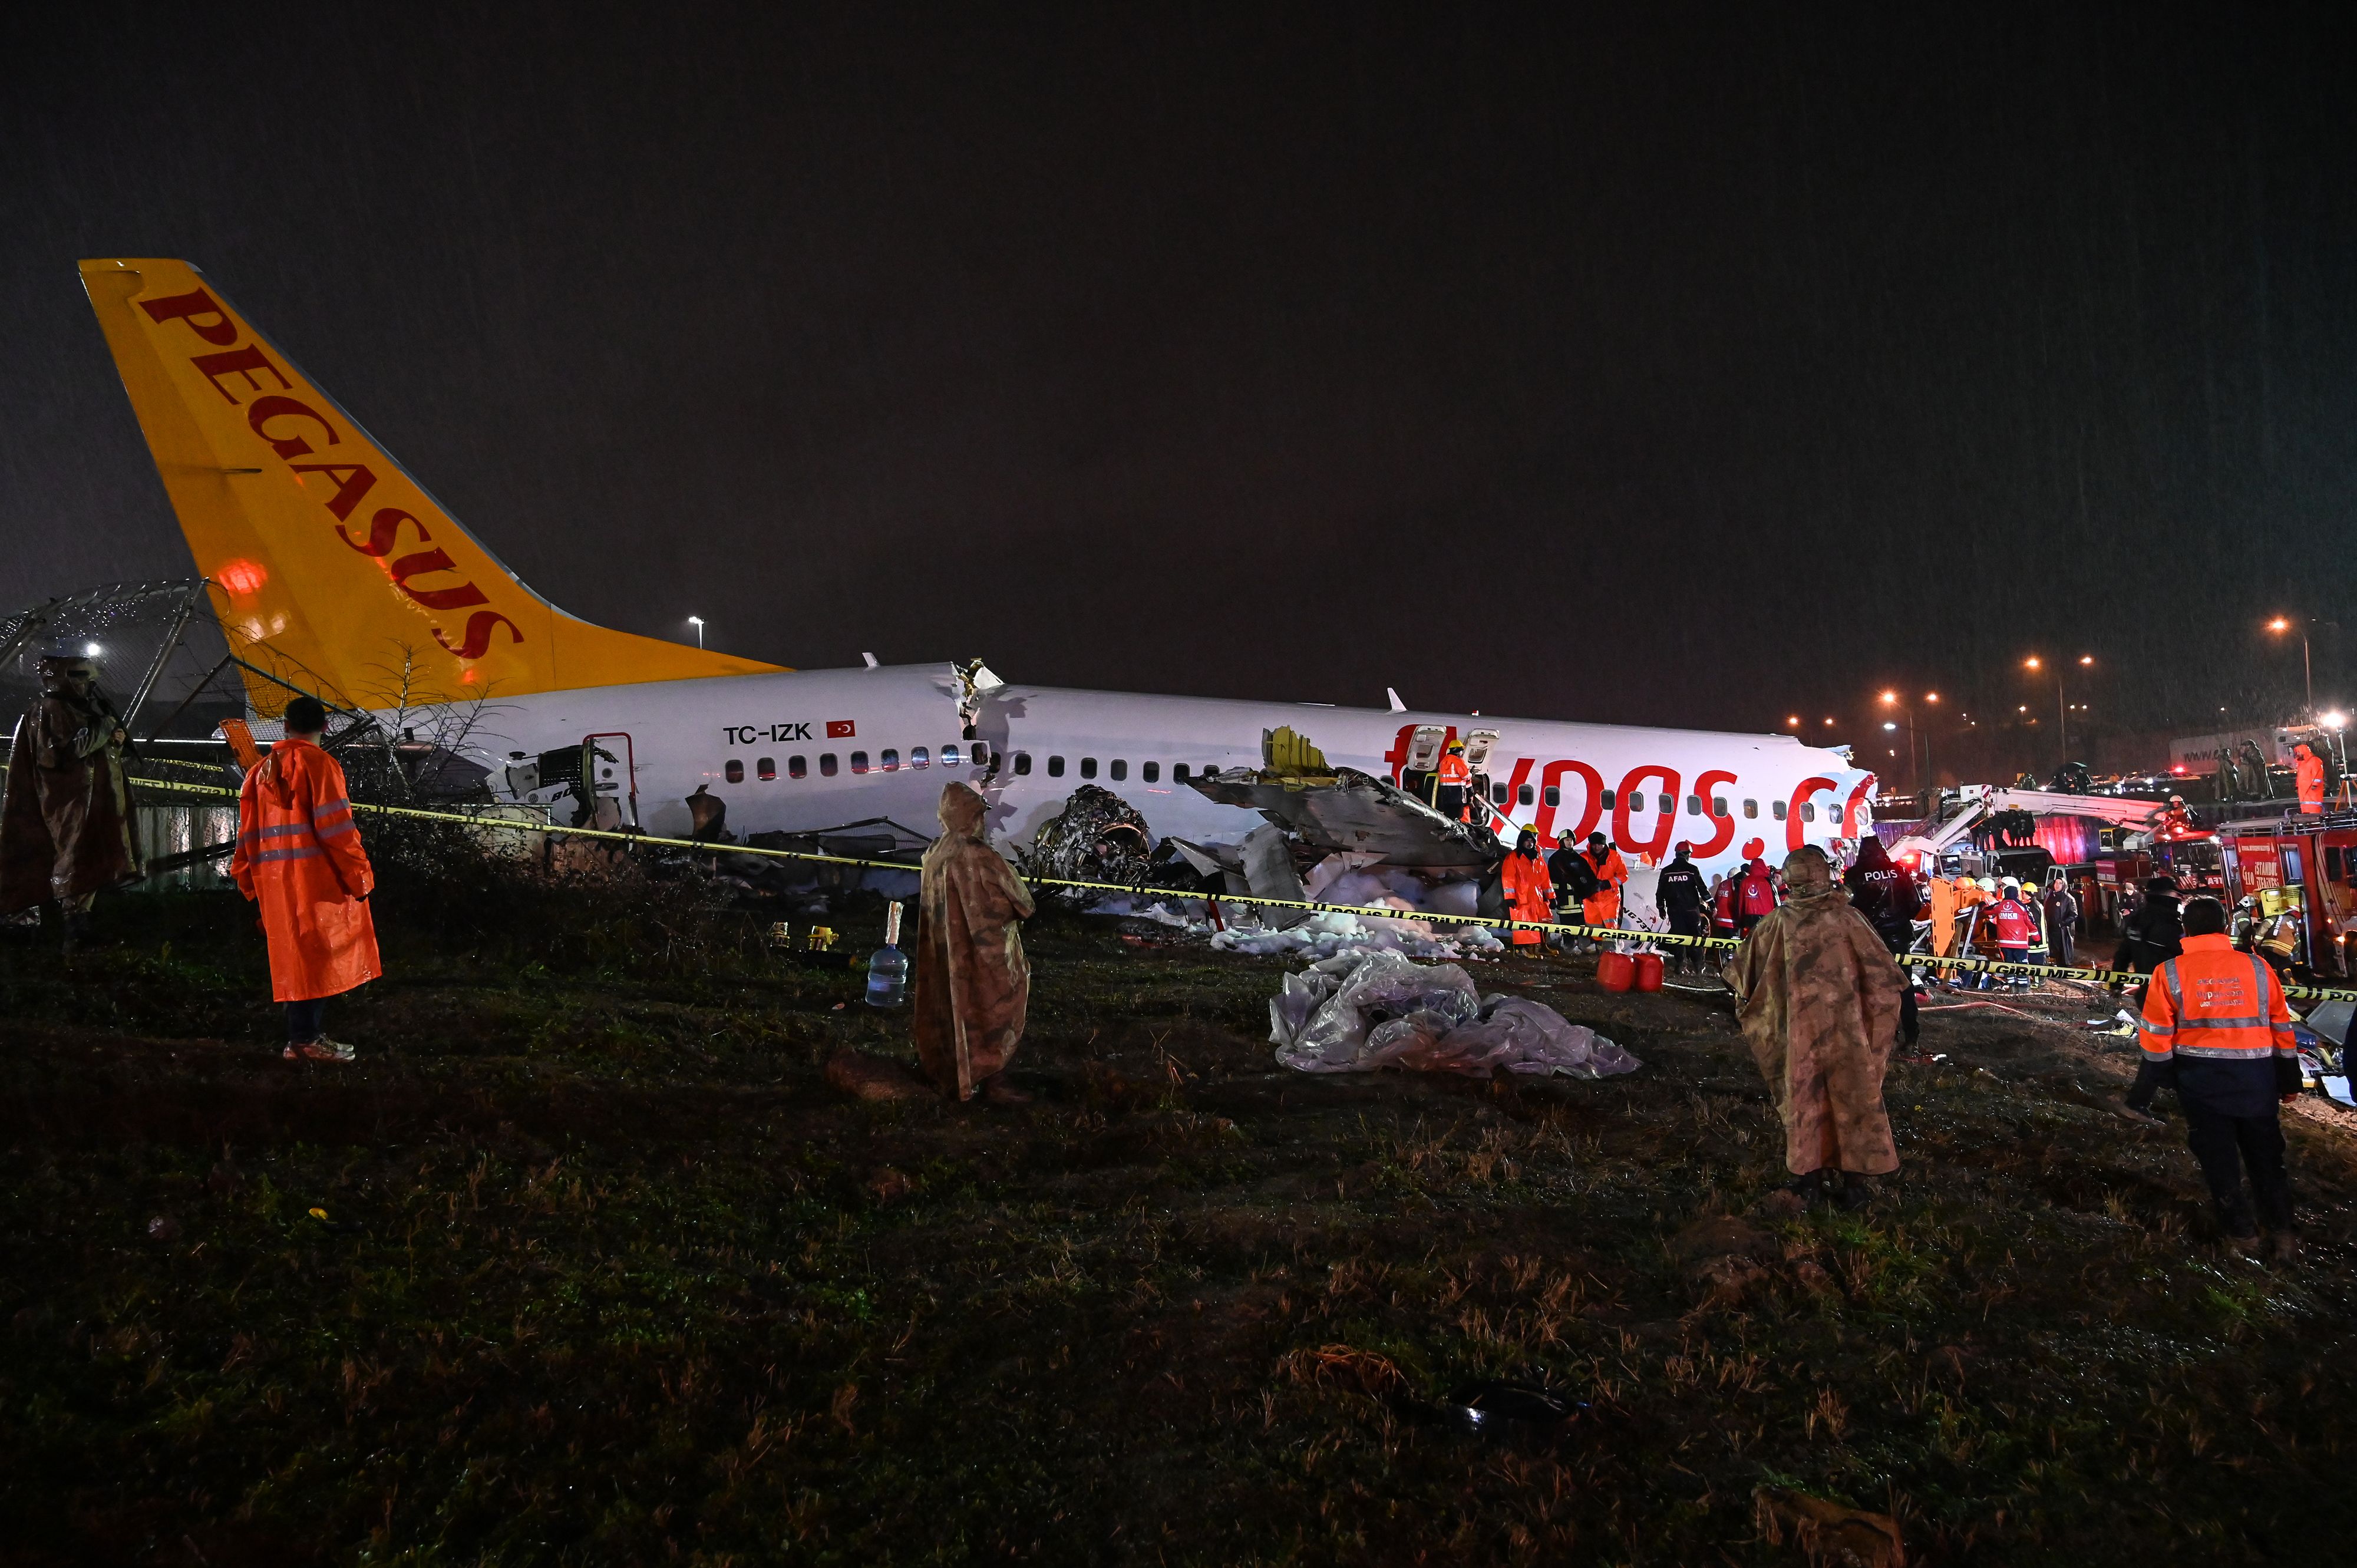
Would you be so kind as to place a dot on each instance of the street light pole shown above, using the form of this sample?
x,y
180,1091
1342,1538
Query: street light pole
x,y
697,622
2307,666
2062,707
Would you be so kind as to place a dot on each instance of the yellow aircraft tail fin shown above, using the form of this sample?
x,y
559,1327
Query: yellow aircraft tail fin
x,y
324,552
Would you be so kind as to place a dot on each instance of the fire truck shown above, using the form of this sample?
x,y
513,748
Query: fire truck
x,y
2304,864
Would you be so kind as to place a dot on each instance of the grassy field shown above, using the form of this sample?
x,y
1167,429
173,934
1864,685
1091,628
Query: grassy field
x,y
609,1274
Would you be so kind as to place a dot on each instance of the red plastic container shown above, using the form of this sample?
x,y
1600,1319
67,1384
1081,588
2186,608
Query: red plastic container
x,y
1615,971
1649,971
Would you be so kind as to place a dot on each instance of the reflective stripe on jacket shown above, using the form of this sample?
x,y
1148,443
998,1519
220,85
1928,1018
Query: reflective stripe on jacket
x,y
2214,1003
299,856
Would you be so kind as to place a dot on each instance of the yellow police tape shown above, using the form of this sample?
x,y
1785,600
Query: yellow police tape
x,y
1601,933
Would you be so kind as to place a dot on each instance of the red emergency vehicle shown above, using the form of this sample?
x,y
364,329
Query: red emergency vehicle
x,y
2316,855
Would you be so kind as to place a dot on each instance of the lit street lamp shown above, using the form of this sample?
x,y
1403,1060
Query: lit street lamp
x,y
2062,709
1890,700
697,622
2307,668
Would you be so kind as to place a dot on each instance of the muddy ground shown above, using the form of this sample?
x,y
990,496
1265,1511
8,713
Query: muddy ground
x,y
584,1261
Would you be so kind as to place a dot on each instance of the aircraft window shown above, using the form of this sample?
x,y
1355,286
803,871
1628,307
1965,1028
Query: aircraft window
x,y
1528,794
826,763
1694,805
859,762
796,766
736,771
1118,769
1150,771
1608,799
767,767
891,759
950,756
1022,762
1055,767
1808,810
919,756
1088,767
1779,807
1751,807
1553,795
1178,774
1718,805
1636,800
1499,794
978,754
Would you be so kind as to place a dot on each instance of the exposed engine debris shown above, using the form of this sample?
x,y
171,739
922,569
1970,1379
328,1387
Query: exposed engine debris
x,y
1097,837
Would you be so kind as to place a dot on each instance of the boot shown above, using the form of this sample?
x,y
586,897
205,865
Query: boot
x,y
2283,1247
2242,1230
1813,1188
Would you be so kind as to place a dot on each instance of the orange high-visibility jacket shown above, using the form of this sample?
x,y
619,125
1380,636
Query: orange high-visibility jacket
x,y
299,856
1530,895
2214,1003
1604,909
2309,778
1454,774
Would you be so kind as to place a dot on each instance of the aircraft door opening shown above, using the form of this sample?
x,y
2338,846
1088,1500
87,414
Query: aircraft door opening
x,y
609,773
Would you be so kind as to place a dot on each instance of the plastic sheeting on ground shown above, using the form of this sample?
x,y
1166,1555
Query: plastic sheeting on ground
x,y
1321,936
1356,1012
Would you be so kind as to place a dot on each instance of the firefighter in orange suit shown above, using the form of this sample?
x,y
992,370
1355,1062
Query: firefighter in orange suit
x,y
2216,1028
1453,785
1611,871
2307,774
299,856
1530,895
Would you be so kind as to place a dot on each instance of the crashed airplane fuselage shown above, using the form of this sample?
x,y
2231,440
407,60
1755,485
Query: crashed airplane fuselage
x,y
329,561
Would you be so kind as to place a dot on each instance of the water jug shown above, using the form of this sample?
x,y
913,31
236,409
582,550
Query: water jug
x,y
1649,971
1615,971
888,969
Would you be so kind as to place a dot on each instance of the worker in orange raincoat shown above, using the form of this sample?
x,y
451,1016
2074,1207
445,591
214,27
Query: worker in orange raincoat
x,y
1453,785
1611,871
299,856
1530,895
2307,774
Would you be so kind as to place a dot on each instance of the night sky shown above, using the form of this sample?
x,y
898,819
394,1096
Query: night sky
x,y
1690,367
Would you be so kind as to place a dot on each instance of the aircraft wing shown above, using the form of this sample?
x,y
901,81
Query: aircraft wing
x,y
1358,811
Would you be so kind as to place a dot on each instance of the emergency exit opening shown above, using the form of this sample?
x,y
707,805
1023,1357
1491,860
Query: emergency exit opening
x,y
610,771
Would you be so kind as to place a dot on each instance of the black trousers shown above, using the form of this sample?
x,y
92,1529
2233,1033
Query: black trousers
x,y
2225,1146
304,1020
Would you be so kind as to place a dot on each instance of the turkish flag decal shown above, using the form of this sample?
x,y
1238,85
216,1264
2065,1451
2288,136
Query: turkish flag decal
x,y
840,729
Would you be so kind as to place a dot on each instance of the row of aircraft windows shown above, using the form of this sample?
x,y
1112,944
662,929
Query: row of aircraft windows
x,y
889,760
1500,794
1117,770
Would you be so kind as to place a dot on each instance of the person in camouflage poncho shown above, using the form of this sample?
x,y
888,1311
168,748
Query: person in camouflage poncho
x,y
974,983
65,821
1818,996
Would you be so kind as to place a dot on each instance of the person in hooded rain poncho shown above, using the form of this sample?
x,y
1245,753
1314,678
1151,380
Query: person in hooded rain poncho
x,y
1818,994
300,860
65,823
1529,893
972,981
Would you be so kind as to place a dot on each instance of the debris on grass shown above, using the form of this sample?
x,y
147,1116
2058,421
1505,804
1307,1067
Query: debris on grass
x,y
1833,1536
